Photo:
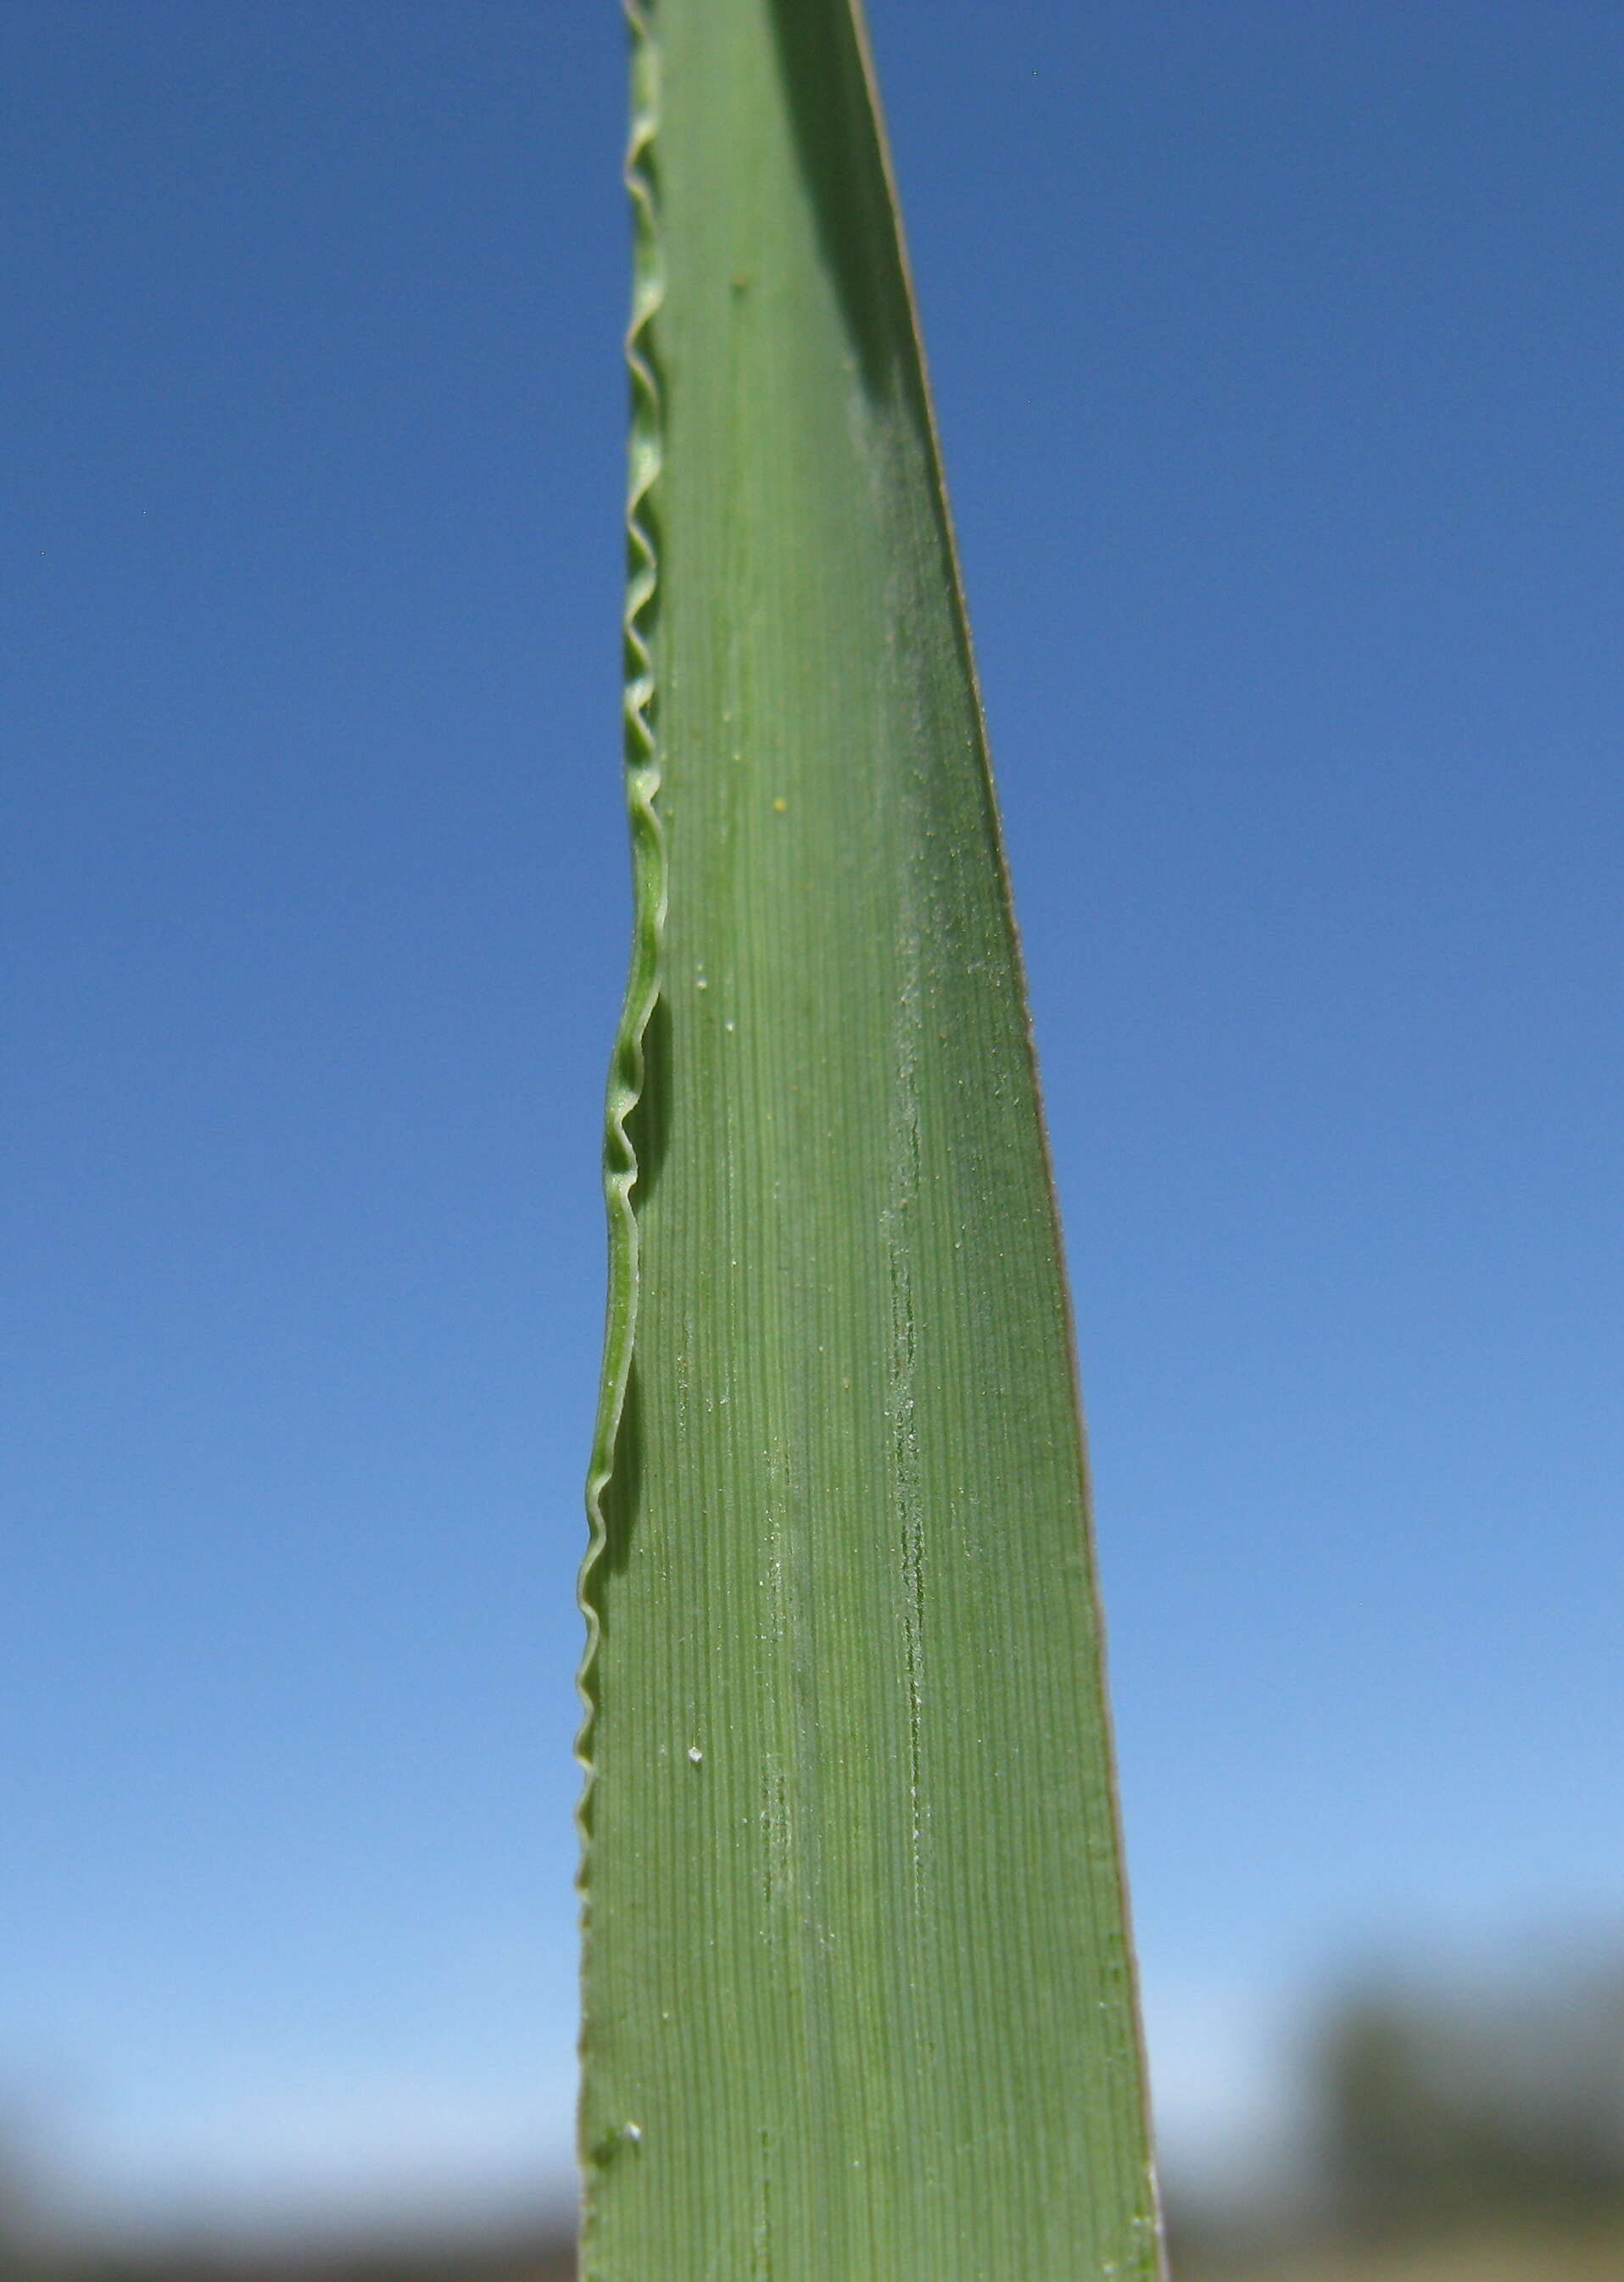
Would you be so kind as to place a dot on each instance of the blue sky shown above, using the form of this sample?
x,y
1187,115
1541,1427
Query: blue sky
x,y
1278,352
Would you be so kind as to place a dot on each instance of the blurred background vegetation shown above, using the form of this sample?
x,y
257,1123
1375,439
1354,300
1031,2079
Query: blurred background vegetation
x,y
1472,2133
1445,2133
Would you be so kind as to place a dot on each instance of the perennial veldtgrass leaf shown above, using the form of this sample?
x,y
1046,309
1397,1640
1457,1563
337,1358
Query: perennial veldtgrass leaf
x,y
860,2000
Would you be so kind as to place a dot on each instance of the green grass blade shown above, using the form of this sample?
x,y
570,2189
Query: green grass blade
x,y
860,2000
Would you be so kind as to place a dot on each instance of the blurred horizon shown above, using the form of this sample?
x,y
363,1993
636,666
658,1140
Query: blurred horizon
x,y
1274,351
1441,2131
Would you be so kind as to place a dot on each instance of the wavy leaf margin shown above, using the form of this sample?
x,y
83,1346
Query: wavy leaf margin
x,y
648,870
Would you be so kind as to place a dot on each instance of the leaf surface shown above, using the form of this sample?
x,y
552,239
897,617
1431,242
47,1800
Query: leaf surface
x,y
860,2001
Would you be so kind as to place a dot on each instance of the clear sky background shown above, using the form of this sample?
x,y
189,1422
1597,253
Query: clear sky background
x,y
1279,352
